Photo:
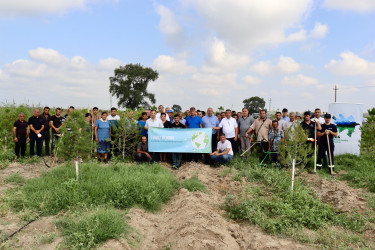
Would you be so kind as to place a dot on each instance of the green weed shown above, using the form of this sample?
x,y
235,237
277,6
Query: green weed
x,y
84,230
16,178
194,184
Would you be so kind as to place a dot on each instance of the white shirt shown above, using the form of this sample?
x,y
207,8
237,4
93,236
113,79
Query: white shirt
x,y
159,114
112,118
291,125
282,124
154,123
223,146
320,119
229,127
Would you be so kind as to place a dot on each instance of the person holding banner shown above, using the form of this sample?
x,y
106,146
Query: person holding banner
x,y
154,122
211,121
328,130
224,152
176,157
193,121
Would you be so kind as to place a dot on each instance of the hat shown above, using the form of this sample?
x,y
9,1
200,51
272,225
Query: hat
x,y
170,111
327,116
298,114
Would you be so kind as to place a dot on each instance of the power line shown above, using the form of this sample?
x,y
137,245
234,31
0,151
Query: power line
x,y
361,87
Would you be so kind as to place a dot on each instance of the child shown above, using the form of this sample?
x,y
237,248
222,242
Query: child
x,y
21,134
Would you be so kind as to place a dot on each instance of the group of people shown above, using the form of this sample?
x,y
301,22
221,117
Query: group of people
x,y
231,132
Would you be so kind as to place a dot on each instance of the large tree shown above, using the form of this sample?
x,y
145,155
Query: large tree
x,y
129,85
176,108
254,104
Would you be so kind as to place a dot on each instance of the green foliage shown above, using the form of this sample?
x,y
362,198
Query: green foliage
x,y
176,108
16,178
295,147
271,205
122,186
86,230
220,109
359,170
368,134
194,184
76,137
254,104
129,85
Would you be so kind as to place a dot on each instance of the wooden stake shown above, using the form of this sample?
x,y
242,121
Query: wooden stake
x,y
77,171
315,152
329,153
293,170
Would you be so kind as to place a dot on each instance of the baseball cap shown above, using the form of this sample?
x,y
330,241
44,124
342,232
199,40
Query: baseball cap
x,y
170,111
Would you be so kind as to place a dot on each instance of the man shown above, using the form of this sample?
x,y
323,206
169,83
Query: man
x,y
170,115
309,126
114,118
142,151
239,114
56,123
218,116
36,125
224,152
46,136
222,115
281,122
261,128
95,115
317,115
142,123
292,123
70,110
21,135
298,116
199,113
331,130
148,112
211,121
276,136
244,123
230,129
176,157
161,110
285,115
157,123
193,121
187,113
182,120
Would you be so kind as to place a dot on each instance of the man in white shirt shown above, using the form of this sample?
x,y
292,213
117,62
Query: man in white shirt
x,y
224,152
161,110
230,129
317,115
281,122
114,118
292,123
154,121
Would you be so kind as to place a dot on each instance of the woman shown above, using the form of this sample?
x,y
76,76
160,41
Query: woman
x,y
103,136
166,123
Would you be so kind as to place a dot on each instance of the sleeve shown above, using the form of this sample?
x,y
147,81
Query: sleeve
x,y
187,122
253,126
217,122
282,134
228,144
15,124
29,122
139,146
334,128
97,123
221,124
200,121
235,123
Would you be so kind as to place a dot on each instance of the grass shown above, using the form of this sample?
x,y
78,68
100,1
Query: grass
x,y
270,204
194,184
16,178
121,186
359,170
85,230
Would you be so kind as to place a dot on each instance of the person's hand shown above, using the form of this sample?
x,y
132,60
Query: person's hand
x,y
216,153
96,139
15,139
147,154
235,138
28,139
57,130
218,137
211,154
327,132
247,135
269,149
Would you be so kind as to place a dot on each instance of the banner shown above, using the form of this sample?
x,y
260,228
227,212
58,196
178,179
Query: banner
x,y
188,140
348,119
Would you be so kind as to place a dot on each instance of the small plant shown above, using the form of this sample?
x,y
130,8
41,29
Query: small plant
x,y
16,178
85,230
194,184
48,238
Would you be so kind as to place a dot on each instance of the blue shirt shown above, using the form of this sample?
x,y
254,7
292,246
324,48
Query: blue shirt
x,y
275,138
193,122
210,121
141,127
285,118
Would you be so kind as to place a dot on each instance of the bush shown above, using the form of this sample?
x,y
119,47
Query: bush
x,y
122,186
16,178
93,227
194,184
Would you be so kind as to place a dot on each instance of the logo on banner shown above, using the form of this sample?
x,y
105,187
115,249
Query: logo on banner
x,y
200,140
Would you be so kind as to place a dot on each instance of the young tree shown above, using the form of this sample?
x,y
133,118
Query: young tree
x,y
254,104
368,134
129,85
176,108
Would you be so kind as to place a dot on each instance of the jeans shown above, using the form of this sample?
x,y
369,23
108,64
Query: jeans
x,y
139,157
176,159
39,144
21,144
46,137
55,140
323,148
222,158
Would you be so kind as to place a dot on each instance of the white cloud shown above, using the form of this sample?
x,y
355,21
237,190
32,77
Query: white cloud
x,y
319,31
300,80
169,65
297,36
48,56
11,8
351,5
252,80
284,65
351,64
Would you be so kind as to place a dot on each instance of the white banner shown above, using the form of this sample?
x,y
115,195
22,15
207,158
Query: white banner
x,y
348,119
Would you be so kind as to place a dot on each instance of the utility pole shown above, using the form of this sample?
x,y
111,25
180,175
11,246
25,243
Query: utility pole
x,y
110,101
335,89
269,106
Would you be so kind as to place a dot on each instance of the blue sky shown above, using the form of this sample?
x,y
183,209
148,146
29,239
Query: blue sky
x,y
208,53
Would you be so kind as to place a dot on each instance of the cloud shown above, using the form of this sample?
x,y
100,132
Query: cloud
x,y
252,80
351,65
9,8
319,31
50,77
350,5
169,65
300,80
284,65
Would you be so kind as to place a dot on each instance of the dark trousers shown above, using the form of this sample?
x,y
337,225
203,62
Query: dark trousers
x,y
234,145
274,157
139,157
46,138
207,157
21,145
311,145
323,149
55,140
115,150
263,148
39,144
193,157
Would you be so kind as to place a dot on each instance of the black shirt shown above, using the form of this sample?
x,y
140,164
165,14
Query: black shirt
x,y
57,122
310,128
167,124
46,125
180,125
21,128
323,139
37,122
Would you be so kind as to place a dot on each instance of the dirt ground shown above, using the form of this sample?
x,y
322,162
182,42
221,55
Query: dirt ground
x,y
190,220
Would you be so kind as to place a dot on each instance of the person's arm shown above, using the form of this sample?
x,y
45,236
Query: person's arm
x,y
320,133
139,151
33,129
236,136
215,152
224,153
14,134
249,130
28,134
318,126
110,133
41,129
96,134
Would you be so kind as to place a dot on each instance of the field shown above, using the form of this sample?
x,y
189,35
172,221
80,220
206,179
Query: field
x,y
122,205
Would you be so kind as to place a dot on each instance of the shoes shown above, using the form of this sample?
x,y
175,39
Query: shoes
x,y
174,167
99,160
105,160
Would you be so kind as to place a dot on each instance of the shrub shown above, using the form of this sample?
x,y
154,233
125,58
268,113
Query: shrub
x,y
194,184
